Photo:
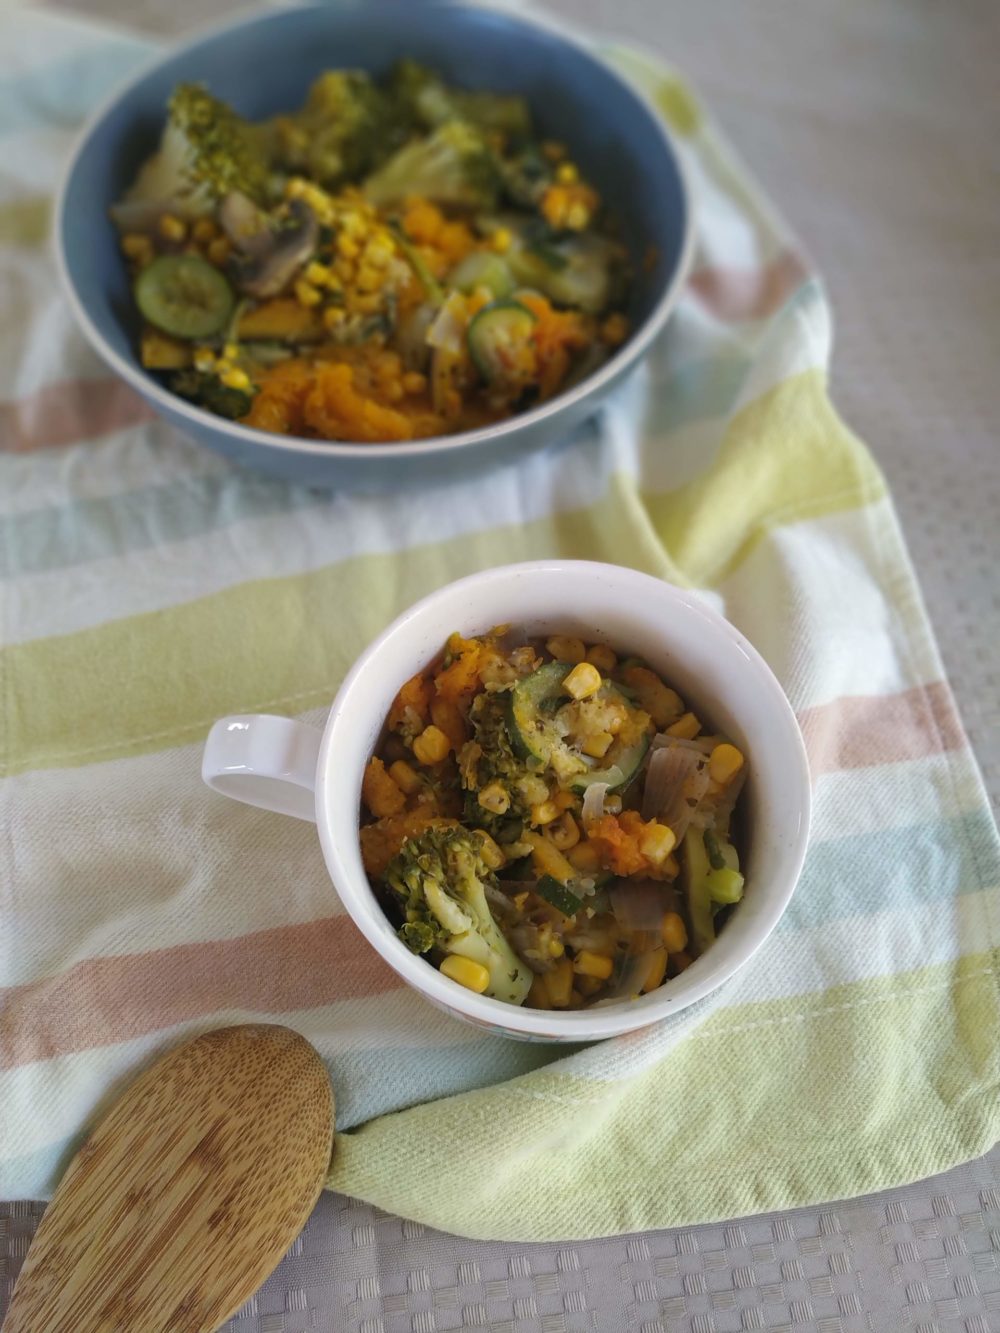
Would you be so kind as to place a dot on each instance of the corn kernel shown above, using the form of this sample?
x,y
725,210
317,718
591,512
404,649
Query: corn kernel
x,y
231,351
559,984
583,857
405,776
566,649
235,378
670,868
490,851
368,303
546,857
565,800
597,745
378,253
473,976
431,746
494,799
368,278
657,970
567,174
306,294
590,964
218,250
137,247
673,932
544,813
204,230
171,228
556,947
394,392
602,657
587,986
685,728
316,273
583,681
566,832
222,366
577,216
204,360
414,382
347,246
333,316
500,240
724,763
656,842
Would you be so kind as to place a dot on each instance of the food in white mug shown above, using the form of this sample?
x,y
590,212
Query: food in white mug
x,y
549,824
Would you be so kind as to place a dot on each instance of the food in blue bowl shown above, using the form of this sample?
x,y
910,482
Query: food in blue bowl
x,y
416,235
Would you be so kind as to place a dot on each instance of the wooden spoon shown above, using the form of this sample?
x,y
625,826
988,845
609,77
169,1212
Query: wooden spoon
x,y
187,1194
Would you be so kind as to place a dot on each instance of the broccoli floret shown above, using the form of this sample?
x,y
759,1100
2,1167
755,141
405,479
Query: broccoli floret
x,y
526,175
440,879
425,99
346,125
583,270
452,166
209,392
205,152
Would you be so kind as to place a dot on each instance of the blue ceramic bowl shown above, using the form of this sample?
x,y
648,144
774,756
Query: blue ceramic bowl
x,y
262,65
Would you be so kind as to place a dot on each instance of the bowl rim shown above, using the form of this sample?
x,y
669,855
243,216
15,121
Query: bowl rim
x,y
571,1025
199,419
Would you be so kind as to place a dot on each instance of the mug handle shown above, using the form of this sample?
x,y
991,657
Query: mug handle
x,y
266,761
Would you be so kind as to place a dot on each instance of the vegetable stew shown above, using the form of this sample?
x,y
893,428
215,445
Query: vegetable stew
x,y
549,824
393,260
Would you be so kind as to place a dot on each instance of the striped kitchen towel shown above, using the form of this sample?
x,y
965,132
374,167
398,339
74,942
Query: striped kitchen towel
x,y
148,588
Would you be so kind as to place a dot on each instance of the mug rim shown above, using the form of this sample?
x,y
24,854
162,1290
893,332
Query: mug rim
x,y
586,1024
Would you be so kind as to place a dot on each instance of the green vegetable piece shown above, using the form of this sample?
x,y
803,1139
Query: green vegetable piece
x,y
532,704
209,392
439,879
695,870
415,260
482,269
725,885
452,166
586,278
346,127
715,857
425,98
530,701
185,296
206,151
495,335
558,896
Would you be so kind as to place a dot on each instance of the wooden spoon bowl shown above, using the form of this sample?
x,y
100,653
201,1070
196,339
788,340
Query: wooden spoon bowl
x,y
187,1194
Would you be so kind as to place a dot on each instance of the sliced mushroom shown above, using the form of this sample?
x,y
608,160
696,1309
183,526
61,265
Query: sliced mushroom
x,y
267,252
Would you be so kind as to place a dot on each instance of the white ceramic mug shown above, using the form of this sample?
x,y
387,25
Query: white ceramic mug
x,y
286,766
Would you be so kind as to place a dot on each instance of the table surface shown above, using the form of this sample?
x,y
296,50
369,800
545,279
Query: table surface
x,y
876,129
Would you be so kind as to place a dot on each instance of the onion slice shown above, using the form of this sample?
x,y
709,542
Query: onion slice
x,y
676,780
638,904
593,802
